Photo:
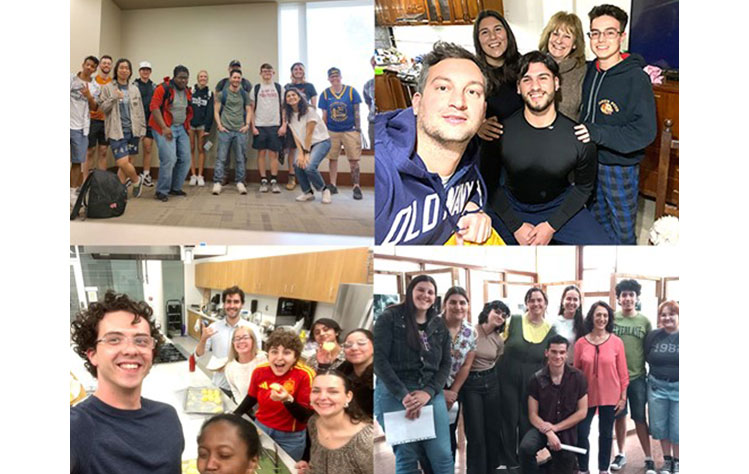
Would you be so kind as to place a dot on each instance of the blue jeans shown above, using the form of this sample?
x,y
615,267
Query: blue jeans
x,y
605,437
481,407
663,409
637,396
78,146
407,455
310,175
236,141
174,159
292,442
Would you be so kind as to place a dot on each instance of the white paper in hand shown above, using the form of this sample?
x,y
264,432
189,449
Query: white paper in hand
x,y
400,430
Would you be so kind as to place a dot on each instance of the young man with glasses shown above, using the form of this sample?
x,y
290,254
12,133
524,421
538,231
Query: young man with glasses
x,y
117,430
216,338
618,115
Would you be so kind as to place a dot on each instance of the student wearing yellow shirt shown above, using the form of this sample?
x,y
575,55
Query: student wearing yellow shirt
x,y
525,340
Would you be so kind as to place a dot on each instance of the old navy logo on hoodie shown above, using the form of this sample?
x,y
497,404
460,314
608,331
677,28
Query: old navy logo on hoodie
x,y
421,217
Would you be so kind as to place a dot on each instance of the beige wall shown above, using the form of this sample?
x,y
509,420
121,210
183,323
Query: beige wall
x,y
85,18
111,30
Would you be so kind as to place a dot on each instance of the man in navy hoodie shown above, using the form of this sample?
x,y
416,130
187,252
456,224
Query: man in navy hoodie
x,y
427,180
618,115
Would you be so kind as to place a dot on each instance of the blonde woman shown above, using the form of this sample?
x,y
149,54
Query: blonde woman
x,y
563,40
244,356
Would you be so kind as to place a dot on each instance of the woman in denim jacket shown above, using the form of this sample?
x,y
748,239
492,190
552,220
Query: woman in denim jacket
x,y
412,362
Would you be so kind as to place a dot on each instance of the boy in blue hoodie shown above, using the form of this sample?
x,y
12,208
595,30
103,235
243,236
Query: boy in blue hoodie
x,y
618,115
427,180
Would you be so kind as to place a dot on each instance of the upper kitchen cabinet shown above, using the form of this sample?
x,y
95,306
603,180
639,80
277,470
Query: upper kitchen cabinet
x,y
307,276
434,12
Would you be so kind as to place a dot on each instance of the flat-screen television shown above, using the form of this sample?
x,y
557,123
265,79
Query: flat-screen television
x,y
654,32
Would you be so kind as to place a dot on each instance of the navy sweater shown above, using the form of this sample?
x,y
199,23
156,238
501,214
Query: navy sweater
x,y
412,206
202,106
619,111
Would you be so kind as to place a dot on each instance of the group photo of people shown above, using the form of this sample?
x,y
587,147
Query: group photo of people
x,y
535,376
232,136
523,146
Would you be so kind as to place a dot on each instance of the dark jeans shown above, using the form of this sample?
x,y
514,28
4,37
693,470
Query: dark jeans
x,y
562,462
605,437
481,405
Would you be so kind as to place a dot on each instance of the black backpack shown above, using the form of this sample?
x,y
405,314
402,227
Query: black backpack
x,y
102,194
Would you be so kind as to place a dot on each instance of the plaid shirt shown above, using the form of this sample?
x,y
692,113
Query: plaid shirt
x,y
403,369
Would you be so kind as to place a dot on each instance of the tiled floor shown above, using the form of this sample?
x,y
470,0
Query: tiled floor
x,y
254,211
200,213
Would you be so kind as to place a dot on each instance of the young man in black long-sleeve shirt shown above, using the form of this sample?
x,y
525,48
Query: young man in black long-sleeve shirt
x,y
539,153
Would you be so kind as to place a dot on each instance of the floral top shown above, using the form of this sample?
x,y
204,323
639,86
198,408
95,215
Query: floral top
x,y
463,343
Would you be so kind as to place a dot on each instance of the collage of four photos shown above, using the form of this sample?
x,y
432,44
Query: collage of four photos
x,y
374,236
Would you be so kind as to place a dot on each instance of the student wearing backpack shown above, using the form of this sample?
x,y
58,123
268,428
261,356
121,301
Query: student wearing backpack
x,y
171,112
340,112
233,116
124,121
200,126
268,126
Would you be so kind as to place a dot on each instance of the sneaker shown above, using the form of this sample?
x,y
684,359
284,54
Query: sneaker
x,y
619,461
274,187
650,466
326,196
161,197
193,180
666,467
177,193
263,185
333,189
138,188
128,182
675,466
147,180
241,188
201,180
216,189
305,197
292,183
357,193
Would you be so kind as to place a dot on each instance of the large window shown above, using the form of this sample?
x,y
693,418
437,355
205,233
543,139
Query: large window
x,y
327,34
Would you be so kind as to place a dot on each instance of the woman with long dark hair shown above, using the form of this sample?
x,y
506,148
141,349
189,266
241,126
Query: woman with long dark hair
x,y
358,348
600,356
480,394
312,141
569,322
412,362
340,433
525,342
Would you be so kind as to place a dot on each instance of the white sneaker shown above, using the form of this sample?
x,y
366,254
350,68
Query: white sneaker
x,y
241,188
326,196
193,180
619,461
274,187
305,197
216,188
201,180
264,185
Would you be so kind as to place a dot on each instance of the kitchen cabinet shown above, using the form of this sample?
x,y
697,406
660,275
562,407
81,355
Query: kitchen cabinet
x,y
309,276
433,12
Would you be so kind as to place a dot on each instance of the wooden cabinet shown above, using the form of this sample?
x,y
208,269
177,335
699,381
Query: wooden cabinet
x,y
666,107
309,276
434,12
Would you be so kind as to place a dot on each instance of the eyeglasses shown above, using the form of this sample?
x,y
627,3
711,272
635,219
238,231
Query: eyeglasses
x,y
360,343
246,337
609,34
117,340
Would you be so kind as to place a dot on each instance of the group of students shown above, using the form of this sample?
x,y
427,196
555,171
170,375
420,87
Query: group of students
x,y
524,383
528,149
321,417
113,112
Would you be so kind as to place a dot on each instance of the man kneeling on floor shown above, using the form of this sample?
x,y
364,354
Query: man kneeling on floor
x,y
115,429
557,402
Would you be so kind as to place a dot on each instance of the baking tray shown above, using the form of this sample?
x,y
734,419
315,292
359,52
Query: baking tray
x,y
203,400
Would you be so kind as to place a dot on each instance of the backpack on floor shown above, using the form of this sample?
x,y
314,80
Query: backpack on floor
x,y
102,194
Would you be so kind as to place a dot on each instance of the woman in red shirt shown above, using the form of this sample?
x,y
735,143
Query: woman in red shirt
x,y
600,356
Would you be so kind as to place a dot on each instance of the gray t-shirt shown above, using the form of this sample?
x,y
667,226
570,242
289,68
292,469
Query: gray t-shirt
x,y
179,107
662,354
267,108
127,123
233,115
79,117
